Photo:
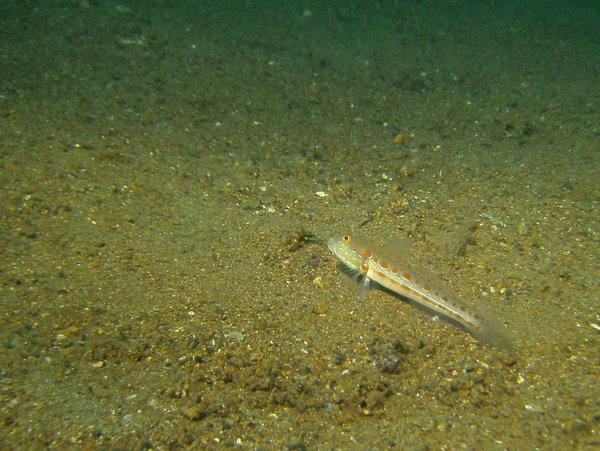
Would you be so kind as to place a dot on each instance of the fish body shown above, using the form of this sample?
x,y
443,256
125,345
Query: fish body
x,y
390,269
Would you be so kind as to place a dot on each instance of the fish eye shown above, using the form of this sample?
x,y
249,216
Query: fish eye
x,y
346,238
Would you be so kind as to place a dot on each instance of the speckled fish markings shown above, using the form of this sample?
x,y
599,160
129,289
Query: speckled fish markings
x,y
392,271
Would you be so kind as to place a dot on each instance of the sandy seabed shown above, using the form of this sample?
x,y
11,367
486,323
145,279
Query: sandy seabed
x,y
170,175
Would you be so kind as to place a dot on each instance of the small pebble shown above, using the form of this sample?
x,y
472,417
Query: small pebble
x,y
522,229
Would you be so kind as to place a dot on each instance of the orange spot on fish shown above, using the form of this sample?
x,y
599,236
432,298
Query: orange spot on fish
x,y
394,270
406,275
383,264
444,298
366,253
426,287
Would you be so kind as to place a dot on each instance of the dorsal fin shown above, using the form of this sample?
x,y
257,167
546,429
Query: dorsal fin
x,y
399,247
435,279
